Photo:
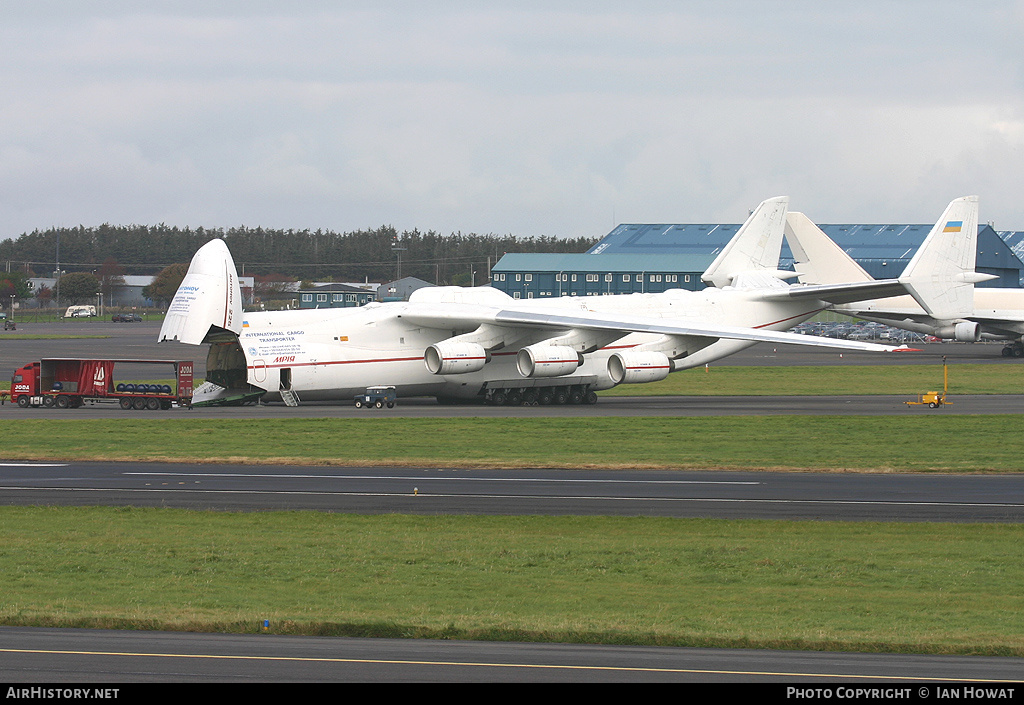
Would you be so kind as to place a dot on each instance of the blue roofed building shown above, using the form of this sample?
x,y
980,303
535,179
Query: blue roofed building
x,y
651,258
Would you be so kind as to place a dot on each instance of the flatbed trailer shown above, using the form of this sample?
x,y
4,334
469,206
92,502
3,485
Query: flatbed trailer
x,y
71,383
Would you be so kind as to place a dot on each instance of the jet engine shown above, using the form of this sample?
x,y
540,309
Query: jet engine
x,y
447,358
633,366
963,332
547,361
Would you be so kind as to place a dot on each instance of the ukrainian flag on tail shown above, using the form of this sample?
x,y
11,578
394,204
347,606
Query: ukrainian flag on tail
x,y
953,226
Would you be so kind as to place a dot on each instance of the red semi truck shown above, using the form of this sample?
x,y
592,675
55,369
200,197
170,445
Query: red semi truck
x,y
68,383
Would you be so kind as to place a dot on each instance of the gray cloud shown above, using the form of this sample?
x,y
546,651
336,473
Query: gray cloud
x,y
530,118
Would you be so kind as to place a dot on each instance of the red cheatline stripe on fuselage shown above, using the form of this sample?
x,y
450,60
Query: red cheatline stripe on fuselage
x,y
338,362
420,357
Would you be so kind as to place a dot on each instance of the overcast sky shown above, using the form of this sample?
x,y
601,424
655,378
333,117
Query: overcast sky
x,y
530,118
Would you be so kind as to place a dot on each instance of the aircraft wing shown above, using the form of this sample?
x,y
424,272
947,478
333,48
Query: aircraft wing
x,y
468,316
840,293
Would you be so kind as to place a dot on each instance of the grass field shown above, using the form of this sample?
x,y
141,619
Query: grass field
x,y
926,443
836,379
927,588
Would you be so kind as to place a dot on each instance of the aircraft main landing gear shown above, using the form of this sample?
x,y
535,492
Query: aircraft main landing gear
x,y
1014,349
542,396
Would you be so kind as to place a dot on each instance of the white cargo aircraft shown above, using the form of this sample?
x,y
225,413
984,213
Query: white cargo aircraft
x,y
951,307
458,343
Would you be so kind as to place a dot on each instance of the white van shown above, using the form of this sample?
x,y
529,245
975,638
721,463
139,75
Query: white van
x,y
80,312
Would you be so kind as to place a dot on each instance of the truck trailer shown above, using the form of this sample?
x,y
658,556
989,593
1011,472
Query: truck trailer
x,y
70,383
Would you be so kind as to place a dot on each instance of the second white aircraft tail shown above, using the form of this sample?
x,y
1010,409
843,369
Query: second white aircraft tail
x,y
940,276
818,259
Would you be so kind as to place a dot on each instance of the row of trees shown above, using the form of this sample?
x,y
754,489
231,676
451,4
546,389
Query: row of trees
x,y
298,254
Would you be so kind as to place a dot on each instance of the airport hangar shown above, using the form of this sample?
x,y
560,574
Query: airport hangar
x,y
650,258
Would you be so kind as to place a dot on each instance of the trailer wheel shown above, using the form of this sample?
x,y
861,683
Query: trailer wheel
x,y
125,403
24,401
138,404
153,404
391,405
932,405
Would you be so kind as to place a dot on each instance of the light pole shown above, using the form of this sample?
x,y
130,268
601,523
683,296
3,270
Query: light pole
x,y
396,247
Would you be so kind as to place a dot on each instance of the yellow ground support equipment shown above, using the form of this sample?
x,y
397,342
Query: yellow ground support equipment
x,y
935,399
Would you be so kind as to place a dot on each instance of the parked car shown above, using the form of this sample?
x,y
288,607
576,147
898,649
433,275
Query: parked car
x,y
126,318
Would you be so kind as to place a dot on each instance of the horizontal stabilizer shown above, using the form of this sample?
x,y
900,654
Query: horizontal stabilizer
x,y
840,293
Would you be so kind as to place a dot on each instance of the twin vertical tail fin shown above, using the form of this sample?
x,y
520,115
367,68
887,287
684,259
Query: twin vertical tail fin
x,y
755,246
208,304
817,258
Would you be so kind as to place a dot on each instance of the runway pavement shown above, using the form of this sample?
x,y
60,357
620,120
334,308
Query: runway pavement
x,y
524,491
116,658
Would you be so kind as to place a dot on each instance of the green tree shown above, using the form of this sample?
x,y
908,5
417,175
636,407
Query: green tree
x,y
78,287
13,283
166,283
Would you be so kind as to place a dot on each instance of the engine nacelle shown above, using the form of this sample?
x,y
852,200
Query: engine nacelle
x,y
446,358
547,361
636,366
963,332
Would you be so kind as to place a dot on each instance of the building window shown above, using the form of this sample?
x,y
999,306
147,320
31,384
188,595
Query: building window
x,y
607,277
321,298
686,278
529,277
307,297
519,277
625,278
